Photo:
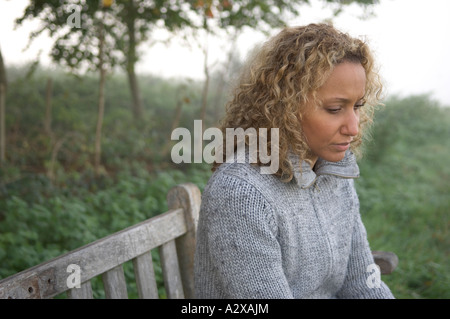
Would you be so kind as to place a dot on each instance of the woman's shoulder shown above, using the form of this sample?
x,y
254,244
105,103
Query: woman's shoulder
x,y
237,191
244,182
244,175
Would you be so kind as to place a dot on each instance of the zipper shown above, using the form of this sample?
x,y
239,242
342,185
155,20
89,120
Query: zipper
x,y
314,182
342,176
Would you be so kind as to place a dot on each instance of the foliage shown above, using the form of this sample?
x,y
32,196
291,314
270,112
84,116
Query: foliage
x,y
76,46
130,23
41,218
404,192
109,33
42,221
74,111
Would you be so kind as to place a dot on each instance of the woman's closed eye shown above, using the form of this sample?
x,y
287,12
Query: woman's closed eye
x,y
333,110
360,104
337,109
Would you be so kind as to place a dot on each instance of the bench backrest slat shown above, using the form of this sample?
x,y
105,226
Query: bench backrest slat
x,y
114,283
145,276
84,292
171,270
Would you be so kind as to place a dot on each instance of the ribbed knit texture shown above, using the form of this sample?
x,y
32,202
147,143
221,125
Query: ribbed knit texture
x,y
261,238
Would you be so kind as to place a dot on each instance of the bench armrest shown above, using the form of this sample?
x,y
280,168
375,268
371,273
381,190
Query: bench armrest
x,y
386,260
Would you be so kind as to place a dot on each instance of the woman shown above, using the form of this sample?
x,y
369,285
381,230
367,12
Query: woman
x,y
296,233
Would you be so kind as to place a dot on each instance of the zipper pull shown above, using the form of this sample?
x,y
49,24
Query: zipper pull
x,y
317,189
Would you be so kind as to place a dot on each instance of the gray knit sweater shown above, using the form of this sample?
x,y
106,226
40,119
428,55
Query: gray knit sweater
x,y
261,238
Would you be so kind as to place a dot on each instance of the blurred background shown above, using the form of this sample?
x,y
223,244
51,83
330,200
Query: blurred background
x,y
90,92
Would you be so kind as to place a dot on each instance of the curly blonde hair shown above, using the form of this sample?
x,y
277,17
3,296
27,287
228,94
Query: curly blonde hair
x,y
286,73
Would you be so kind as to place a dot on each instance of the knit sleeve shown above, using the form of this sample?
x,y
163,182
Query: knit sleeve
x,y
238,255
362,280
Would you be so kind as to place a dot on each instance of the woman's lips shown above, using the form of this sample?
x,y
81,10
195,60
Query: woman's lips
x,y
341,147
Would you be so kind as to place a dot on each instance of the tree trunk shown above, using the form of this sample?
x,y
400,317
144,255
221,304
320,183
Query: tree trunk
x,y
48,108
135,93
101,103
177,115
175,123
136,106
205,87
98,132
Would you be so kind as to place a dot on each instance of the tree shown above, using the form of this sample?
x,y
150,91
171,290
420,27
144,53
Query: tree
x,y
262,15
101,91
96,58
131,23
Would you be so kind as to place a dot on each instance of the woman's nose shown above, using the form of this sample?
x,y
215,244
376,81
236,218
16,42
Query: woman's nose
x,y
350,126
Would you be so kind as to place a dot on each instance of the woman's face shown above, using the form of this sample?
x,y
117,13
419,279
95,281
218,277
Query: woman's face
x,y
330,127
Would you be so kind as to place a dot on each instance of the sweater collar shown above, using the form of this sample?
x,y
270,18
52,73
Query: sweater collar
x,y
346,168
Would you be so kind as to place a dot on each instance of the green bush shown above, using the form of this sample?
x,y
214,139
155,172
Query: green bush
x,y
41,221
404,192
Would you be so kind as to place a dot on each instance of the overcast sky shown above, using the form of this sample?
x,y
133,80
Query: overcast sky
x,y
410,38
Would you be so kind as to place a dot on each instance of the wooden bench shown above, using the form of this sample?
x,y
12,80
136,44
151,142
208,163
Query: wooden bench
x,y
172,233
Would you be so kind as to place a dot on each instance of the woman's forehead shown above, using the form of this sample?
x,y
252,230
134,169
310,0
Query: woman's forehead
x,y
346,81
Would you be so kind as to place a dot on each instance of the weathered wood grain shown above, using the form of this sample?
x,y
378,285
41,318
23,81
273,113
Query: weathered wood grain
x,y
387,261
84,292
188,197
114,283
50,278
145,276
171,270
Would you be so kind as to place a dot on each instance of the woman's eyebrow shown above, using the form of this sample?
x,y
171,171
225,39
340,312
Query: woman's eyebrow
x,y
342,99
